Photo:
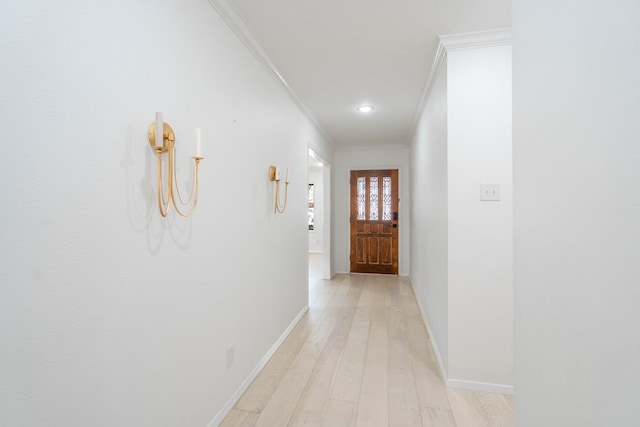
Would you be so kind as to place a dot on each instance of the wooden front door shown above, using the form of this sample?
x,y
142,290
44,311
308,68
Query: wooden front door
x,y
374,221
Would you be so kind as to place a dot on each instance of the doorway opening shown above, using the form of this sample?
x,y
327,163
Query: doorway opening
x,y
319,222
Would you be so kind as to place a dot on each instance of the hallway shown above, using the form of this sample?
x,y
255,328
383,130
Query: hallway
x,y
361,357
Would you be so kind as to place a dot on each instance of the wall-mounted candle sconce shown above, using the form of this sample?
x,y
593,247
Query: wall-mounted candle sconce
x,y
274,176
161,131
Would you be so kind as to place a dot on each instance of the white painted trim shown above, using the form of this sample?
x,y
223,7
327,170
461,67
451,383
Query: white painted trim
x,y
476,386
378,147
254,373
327,216
243,31
475,40
434,344
451,43
438,60
457,383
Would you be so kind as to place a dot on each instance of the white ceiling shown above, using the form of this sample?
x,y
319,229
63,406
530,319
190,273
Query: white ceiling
x,y
337,54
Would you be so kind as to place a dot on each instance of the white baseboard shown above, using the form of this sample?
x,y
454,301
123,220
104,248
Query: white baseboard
x,y
377,274
434,344
473,385
455,383
254,373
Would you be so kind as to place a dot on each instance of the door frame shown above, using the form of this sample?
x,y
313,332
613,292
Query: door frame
x,y
402,218
327,227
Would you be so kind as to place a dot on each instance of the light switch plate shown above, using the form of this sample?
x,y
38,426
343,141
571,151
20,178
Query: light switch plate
x,y
489,192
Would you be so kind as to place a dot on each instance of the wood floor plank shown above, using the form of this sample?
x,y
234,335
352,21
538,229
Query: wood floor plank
x,y
280,408
379,298
312,404
432,392
404,409
393,293
239,418
509,400
284,399
435,417
340,334
465,410
325,295
404,285
429,383
340,413
495,408
373,403
261,389
364,302
415,326
349,374
481,409
314,292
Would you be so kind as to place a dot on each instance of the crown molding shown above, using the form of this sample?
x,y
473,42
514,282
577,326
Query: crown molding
x,y
378,147
438,60
234,20
451,43
475,40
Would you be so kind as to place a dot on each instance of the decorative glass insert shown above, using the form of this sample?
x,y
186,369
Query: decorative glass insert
x,y
373,198
362,191
386,198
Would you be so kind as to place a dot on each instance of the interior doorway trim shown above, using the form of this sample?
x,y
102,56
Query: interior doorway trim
x,y
327,271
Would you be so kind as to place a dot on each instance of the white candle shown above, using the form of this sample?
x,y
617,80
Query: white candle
x,y
277,172
287,177
198,136
159,130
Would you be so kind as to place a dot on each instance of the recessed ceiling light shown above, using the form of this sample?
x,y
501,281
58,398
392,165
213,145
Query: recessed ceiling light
x,y
365,108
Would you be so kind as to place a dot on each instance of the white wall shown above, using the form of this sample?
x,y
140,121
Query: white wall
x,y
462,255
316,177
480,248
429,218
109,314
363,158
577,211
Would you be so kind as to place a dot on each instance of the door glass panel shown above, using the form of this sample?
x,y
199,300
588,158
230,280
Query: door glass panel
x,y
373,198
386,198
362,190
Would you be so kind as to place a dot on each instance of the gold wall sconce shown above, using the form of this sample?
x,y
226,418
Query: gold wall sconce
x,y
167,188
274,176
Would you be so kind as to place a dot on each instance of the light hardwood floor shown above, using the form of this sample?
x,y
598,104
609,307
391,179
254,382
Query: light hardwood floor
x,y
361,357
